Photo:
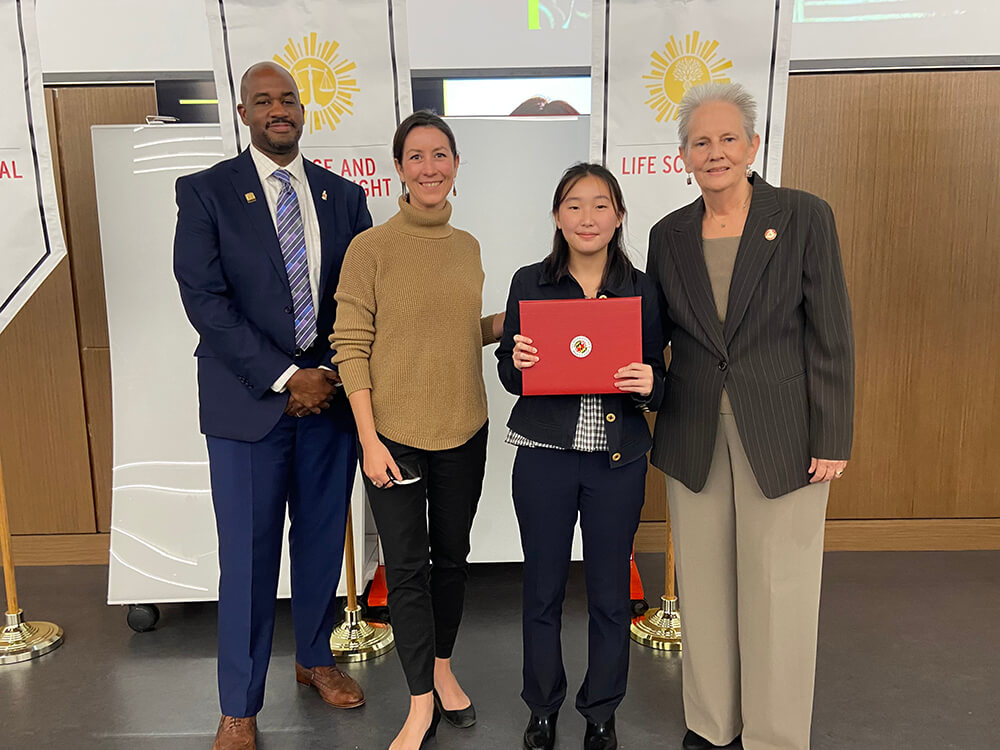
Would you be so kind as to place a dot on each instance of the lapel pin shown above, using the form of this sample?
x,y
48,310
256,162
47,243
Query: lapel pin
x,y
250,197
323,196
770,234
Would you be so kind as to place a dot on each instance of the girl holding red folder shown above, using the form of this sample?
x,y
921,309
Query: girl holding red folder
x,y
580,456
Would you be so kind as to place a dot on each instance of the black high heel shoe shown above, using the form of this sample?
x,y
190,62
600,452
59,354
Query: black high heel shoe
x,y
432,729
460,717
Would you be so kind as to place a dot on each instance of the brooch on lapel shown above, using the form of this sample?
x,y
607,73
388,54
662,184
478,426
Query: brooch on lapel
x,y
770,234
323,196
250,197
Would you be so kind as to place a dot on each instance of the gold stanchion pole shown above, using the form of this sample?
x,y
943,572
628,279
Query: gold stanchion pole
x,y
20,640
661,628
354,639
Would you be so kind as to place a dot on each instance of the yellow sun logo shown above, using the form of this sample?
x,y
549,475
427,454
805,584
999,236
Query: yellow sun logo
x,y
678,68
326,81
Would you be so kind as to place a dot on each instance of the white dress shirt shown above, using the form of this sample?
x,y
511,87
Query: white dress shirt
x,y
310,224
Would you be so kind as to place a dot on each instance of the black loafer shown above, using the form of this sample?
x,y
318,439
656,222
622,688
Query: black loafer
x,y
461,717
601,736
541,732
693,741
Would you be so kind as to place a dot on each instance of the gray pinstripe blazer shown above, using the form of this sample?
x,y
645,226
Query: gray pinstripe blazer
x,y
785,354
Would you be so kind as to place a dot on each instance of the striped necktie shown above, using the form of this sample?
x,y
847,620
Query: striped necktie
x,y
292,238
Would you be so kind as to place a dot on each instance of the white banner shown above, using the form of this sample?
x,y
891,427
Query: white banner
x,y
350,62
32,236
646,54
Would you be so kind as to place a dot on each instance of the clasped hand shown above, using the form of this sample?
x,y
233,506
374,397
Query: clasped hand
x,y
635,377
310,390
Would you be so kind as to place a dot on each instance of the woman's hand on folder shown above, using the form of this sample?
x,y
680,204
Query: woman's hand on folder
x,y
635,378
525,355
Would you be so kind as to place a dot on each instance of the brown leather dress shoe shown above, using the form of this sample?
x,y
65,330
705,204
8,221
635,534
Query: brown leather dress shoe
x,y
335,687
236,733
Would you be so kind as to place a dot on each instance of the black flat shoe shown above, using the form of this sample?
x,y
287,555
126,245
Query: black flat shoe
x,y
432,729
693,741
460,717
601,736
541,732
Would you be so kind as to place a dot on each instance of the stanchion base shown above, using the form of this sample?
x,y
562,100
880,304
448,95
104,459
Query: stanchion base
x,y
21,641
357,640
659,628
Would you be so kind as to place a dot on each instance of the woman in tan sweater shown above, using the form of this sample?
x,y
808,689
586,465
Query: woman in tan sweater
x,y
408,341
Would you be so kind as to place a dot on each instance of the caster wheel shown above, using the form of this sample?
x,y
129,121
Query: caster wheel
x,y
142,617
639,607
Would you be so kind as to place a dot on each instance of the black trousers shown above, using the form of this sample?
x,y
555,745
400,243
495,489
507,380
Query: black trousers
x,y
424,528
552,488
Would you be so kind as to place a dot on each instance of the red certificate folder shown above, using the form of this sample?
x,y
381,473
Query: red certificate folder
x,y
581,343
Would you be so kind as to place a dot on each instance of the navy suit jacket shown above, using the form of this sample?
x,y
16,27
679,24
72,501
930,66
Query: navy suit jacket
x,y
235,290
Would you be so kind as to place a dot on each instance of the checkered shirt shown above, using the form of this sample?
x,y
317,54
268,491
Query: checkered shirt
x,y
590,436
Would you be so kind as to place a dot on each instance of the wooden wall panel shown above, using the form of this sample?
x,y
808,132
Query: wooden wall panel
x,y
50,116
910,164
61,549
97,397
77,108
44,434
872,535
655,507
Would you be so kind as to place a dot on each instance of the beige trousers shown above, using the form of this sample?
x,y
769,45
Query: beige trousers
x,y
749,572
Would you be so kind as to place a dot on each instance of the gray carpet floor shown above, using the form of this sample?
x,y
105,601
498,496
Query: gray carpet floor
x,y
909,659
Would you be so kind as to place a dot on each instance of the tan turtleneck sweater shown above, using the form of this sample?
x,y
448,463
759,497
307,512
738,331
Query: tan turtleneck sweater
x,y
408,327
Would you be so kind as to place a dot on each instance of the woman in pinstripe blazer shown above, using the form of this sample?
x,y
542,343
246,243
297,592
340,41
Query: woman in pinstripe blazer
x,y
756,421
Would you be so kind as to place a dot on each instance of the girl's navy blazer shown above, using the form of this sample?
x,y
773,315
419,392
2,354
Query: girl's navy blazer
x,y
552,419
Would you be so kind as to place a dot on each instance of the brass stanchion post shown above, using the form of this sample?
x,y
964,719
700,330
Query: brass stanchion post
x,y
354,639
661,628
19,640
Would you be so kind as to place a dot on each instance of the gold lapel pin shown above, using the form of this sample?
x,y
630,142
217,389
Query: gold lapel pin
x,y
323,196
770,234
250,197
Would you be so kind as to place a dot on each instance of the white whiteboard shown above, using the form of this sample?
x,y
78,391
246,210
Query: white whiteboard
x,y
163,541
508,172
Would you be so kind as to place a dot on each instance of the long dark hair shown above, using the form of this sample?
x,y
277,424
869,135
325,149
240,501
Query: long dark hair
x,y
618,269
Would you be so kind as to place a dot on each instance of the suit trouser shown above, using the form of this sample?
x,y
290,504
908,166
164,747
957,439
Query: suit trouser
x,y
551,488
424,528
309,464
749,571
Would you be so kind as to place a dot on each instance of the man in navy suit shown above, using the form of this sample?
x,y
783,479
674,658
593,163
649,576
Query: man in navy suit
x,y
257,253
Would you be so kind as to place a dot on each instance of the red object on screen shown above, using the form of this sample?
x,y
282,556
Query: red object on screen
x,y
581,343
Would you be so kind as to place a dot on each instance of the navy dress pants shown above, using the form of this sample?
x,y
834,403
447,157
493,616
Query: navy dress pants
x,y
307,464
551,489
